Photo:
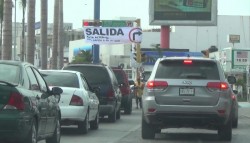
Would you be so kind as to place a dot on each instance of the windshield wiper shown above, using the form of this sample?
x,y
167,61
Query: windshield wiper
x,y
8,83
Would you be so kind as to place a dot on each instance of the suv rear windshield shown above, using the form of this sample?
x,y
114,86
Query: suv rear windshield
x,y
94,75
177,69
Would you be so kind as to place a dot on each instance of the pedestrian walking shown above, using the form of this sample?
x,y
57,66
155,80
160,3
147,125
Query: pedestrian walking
x,y
139,86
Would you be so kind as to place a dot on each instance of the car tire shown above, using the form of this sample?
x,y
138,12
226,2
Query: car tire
x,y
112,116
94,125
147,130
128,109
83,126
32,136
56,135
118,114
225,131
235,123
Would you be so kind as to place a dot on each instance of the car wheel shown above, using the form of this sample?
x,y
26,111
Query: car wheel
x,y
56,135
225,131
118,114
83,126
112,116
94,125
147,130
235,123
32,136
128,109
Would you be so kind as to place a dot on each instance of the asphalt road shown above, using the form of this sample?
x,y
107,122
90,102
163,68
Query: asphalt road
x,y
128,130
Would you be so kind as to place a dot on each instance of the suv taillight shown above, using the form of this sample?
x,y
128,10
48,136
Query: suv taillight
x,y
217,86
76,101
157,84
15,102
110,94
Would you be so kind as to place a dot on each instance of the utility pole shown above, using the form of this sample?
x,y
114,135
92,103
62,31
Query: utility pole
x,y
138,52
96,18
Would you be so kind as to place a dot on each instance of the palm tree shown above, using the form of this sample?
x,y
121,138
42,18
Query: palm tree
x,y
31,31
1,21
44,25
60,36
7,30
22,50
55,36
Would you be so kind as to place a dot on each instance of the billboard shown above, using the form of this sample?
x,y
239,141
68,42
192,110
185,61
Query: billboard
x,y
183,12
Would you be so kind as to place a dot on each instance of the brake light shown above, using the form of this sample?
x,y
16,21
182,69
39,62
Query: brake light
x,y
233,97
217,85
111,94
16,101
187,62
76,101
157,84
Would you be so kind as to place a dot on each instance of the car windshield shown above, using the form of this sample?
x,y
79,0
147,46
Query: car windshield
x,y
62,79
176,69
9,73
94,75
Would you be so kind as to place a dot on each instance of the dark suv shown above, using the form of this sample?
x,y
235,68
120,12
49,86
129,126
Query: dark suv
x,y
102,76
122,79
187,92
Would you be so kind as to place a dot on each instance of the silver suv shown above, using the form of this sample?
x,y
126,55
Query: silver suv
x,y
187,92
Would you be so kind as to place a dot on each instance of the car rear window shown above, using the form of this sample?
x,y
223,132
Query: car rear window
x,y
94,75
9,73
177,69
60,79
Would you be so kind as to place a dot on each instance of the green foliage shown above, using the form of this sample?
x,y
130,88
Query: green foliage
x,y
82,57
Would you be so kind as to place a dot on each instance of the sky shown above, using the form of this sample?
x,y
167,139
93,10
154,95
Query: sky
x,y
77,10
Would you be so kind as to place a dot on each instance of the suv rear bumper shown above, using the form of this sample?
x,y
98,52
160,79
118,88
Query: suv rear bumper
x,y
167,120
165,116
106,109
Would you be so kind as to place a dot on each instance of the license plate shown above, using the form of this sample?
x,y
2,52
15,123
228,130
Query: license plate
x,y
186,91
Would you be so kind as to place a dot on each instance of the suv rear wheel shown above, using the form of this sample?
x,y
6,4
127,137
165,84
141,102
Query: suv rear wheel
x,y
225,131
147,131
112,116
128,108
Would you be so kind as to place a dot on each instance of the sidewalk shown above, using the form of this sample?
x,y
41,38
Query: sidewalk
x,y
244,109
244,104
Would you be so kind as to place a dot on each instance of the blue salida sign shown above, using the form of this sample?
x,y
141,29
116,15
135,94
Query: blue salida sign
x,y
152,56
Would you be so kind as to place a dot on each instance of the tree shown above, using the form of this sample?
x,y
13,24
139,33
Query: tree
x,y
31,31
44,27
1,22
7,30
82,57
22,50
55,36
60,37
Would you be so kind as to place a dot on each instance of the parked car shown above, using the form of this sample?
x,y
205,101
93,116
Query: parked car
x,y
102,76
79,103
122,78
235,108
29,110
187,92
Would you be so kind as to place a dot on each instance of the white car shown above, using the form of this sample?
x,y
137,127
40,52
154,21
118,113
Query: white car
x,y
79,104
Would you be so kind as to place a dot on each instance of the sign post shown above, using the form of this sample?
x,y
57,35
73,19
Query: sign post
x,y
138,51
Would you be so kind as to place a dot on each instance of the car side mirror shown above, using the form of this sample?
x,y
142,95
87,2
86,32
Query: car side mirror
x,y
57,91
235,92
231,79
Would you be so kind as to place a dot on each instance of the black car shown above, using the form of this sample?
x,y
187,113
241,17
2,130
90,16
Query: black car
x,y
102,76
29,110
